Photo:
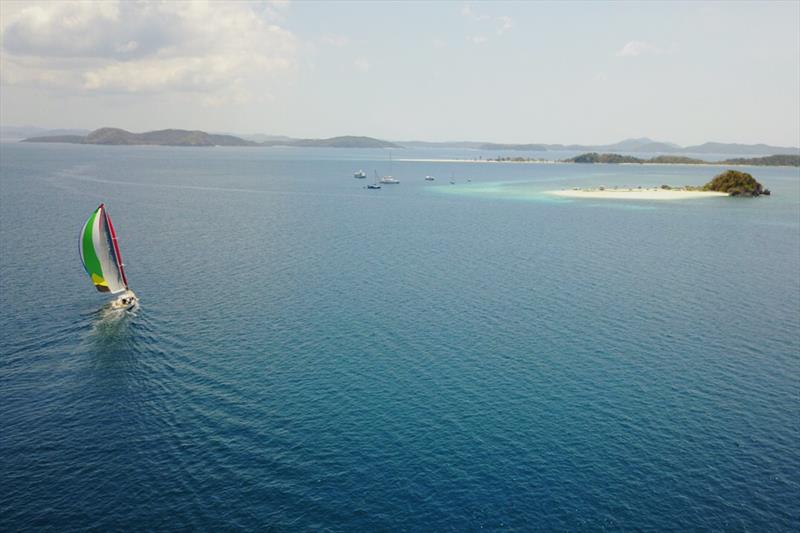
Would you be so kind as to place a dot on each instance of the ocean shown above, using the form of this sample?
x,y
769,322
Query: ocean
x,y
313,355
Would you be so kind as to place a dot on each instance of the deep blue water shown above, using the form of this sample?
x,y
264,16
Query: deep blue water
x,y
312,355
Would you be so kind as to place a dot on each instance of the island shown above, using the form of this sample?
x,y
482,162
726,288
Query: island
x,y
736,183
607,153
772,160
346,141
728,183
175,137
170,137
780,160
519,147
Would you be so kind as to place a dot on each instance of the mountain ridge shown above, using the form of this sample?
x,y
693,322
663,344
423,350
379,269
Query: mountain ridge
x,y
178,137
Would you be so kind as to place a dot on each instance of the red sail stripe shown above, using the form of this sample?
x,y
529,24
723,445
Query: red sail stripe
x,y
117,253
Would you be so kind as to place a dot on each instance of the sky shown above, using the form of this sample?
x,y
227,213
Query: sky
x,y
567,72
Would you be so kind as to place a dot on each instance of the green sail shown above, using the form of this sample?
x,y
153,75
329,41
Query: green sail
x,y
99,253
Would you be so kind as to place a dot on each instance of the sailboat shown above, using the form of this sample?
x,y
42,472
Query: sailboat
x,y
102,260
390,180
375,184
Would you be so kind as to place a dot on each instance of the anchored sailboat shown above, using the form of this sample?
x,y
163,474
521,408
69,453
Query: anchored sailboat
x,y
102,259
390,180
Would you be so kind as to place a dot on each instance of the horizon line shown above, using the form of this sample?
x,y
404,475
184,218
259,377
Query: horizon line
x,y
789,146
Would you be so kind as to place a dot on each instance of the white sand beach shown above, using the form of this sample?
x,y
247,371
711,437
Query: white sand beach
x,y
635,194
535,162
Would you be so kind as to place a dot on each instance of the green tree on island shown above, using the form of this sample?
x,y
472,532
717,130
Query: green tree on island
x,y
736,183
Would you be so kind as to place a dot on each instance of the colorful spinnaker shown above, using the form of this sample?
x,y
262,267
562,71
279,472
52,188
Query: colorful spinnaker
x,y
100,253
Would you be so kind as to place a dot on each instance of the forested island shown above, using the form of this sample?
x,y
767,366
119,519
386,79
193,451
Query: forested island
x,y
772,160
780,160
116,136
347,141
736,183
173,137
608,153
728,183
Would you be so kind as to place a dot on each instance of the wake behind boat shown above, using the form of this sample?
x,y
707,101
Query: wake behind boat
x,y
102,259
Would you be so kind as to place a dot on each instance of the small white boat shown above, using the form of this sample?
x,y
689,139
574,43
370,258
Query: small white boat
x,y
389,179
374,185
127,301
429,178
360,175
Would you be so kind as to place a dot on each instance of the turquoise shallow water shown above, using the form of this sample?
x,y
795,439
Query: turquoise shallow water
x,y
313,355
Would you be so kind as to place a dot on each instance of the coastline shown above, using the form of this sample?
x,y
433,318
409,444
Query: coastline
x,y
557,162
635,194
422,160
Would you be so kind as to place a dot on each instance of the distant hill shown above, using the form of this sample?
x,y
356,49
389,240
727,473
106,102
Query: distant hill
x,y
23,132
440,144
675,160
594,157
641,144
783,160
174,137
738,149
773,160
656,148
116,136
264,138
638,145
72,139
334,142
736,183
528,147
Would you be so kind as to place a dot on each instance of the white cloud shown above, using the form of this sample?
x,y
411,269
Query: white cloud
x,y
130,46
336,40
485,23
362,65
467,11
638,48
146,46
506,23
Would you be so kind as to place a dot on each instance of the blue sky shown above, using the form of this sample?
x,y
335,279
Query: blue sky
x,y
569,72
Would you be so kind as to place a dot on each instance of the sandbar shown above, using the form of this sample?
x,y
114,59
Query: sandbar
x,y
636,194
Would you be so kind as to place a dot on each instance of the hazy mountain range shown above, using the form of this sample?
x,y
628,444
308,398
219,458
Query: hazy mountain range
x,y
175,137
639,145
116,136
172,137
